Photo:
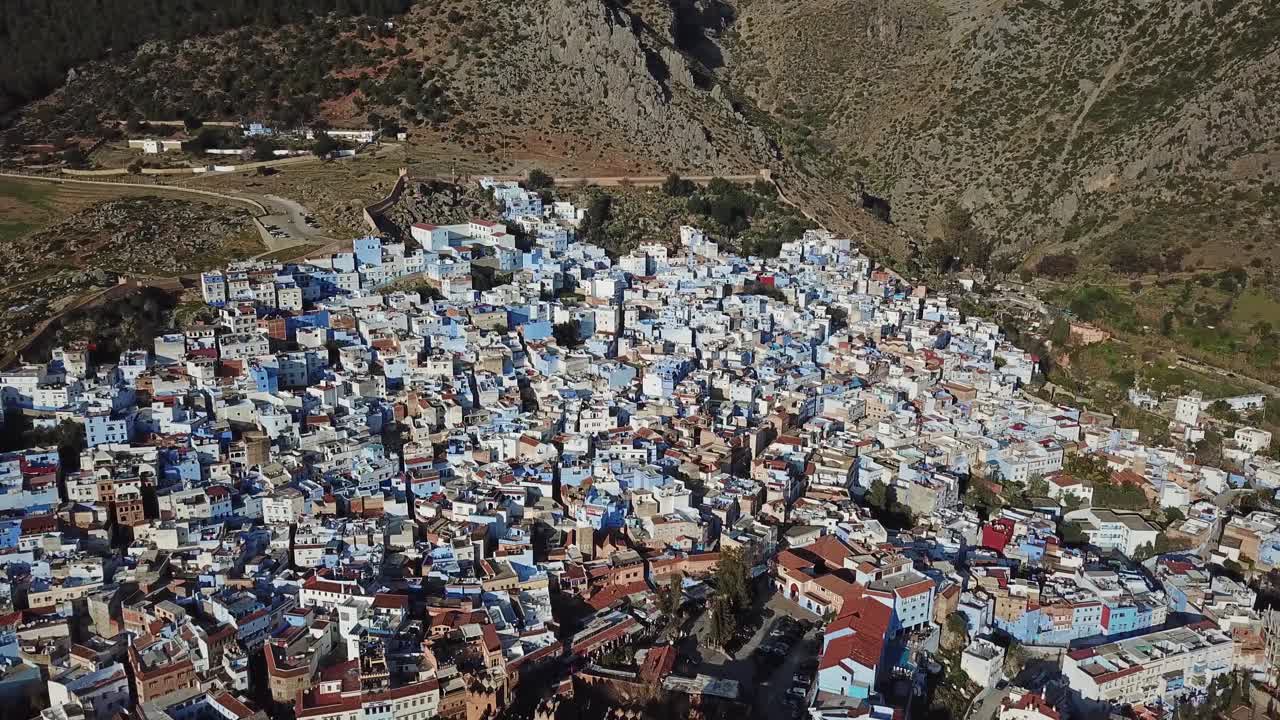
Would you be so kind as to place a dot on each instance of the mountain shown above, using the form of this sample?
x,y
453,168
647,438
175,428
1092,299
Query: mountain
x,y
1086,126
40,40
1143,133
564,77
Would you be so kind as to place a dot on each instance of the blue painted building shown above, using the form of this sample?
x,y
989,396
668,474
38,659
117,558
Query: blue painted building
x,y
368,250
101,429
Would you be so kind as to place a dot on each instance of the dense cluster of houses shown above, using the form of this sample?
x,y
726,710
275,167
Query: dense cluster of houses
x,y
380,490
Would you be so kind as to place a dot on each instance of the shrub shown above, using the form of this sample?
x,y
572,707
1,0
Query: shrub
x,y
538,179
1058,266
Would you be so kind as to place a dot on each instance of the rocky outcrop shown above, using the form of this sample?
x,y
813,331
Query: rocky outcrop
x,y
604,61
146,235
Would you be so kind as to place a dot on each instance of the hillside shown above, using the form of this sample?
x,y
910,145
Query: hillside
x,y
1085,125
539,79
42,41
1144,131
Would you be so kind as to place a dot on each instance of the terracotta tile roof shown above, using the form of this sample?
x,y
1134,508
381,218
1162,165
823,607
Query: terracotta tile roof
x,y
830,550
866,622
1033,702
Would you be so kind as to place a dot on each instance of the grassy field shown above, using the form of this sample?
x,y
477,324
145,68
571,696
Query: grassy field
x,y
335,192
1215,318
24,208
1256,306
1102,374
30,205
292,253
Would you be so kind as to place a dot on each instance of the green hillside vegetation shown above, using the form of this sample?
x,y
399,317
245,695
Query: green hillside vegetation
x,y
1229,318
749,218
40,40
1082,125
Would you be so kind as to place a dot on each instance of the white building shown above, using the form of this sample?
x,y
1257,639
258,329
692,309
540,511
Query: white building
x,y
982,661
242,345
1150,667
1108,530
1253,439
284,507
1188,409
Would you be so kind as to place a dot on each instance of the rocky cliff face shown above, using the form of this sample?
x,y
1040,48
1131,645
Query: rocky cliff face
x,y
610,62
617,73
1078,124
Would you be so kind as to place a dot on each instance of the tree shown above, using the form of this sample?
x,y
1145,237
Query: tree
x,y
722,623
1059,332
1238,692
1072,533
74,156
1209,448
1037,486
67,435
1173,515
264,149
192,123
1119,496
733,579
538,179
1072,502
839,318
595,221
1165,544
669,600
956,634
1131,259
1015,656
1144,552
1088,468
675,186
981,498
568,334
754,287
210,137
324,145
1058,266
962,244
877,494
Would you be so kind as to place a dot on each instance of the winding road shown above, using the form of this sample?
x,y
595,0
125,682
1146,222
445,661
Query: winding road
x,y
287,215
251,203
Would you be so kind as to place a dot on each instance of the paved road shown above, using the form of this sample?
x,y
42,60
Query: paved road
x,y
772,692
987,704
289,217
286,214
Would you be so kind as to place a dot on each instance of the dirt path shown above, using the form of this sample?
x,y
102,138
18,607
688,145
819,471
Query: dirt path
x,y
616,180
253,205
